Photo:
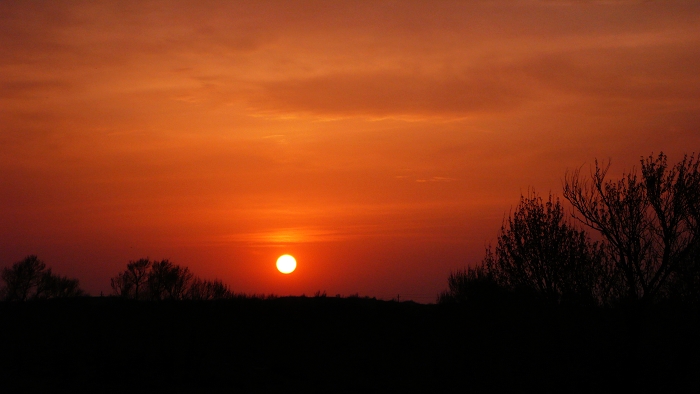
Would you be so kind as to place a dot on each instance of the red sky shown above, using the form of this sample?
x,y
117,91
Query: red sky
x,y
380,143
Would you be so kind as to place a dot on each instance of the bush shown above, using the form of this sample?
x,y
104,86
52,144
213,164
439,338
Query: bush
x,y
539,251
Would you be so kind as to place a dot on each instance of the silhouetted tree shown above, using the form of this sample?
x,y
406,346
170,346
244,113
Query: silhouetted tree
x,y
21,278
649,224
132,283
30,279
56,286
539,251
167,281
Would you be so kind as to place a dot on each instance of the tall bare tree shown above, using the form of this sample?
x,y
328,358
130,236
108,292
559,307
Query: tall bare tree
x,y
649,223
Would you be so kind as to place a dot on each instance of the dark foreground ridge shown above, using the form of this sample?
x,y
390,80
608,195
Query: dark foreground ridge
x,y
319,344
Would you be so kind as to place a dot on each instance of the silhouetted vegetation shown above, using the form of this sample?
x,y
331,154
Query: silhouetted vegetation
x,y
539,250
162,280
649,224
649,250
472,285
132,283
29,279
548,309
208,290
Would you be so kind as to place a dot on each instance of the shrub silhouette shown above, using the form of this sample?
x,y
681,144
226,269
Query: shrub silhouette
x,y
208,290
30,279
471,285
539,251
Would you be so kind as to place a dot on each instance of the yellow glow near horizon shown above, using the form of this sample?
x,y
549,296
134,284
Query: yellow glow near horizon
x,y
286,264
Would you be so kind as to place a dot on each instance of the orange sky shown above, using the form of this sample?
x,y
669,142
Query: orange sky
x,y
380,143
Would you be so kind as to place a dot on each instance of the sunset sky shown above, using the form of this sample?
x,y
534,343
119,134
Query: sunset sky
x,y
379,142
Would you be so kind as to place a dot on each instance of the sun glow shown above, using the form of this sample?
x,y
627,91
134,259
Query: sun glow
x,y
286,264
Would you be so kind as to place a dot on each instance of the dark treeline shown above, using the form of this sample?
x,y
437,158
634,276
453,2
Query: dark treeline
x,y
600,299
646,250
145,279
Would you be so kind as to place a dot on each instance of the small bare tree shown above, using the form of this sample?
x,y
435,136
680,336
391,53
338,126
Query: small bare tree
x,y
132,283
22,277
56,286
30,279
539,251
167,281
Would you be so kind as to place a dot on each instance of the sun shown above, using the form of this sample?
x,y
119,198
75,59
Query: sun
x,y
286,264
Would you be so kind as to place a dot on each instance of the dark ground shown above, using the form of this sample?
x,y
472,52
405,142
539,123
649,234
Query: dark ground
x,y
343,345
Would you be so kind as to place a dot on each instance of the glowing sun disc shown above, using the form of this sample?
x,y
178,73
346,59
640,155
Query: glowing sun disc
x,y
286,264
